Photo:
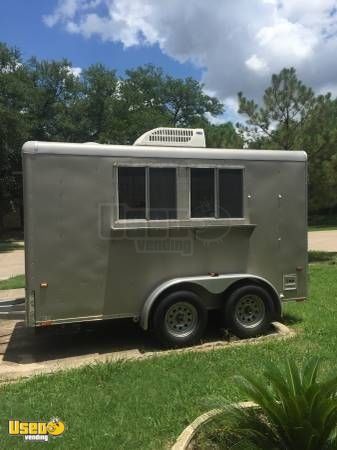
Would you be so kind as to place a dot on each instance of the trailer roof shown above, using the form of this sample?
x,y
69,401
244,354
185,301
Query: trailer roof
x,y
130,151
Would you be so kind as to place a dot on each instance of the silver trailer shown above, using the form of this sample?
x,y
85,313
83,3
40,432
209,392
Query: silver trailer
x,y
162,232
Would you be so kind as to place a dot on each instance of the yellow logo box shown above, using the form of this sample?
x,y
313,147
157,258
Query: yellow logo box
x,y
30,429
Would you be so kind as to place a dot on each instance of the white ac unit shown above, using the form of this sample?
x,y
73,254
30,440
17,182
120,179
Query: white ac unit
x,y
173,137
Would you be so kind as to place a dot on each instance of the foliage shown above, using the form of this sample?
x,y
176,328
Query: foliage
x,y
286,104
223,136
294,410
44,100
13,125
291,117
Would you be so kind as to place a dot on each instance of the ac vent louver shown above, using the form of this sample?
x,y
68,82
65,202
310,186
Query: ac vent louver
x,y
173,137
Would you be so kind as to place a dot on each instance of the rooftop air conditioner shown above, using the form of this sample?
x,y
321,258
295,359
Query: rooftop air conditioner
x,y
173,137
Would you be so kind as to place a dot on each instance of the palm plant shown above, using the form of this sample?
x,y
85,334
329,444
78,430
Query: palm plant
x,y
294,411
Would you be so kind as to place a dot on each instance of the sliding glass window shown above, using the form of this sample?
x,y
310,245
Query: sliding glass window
x,y
147,193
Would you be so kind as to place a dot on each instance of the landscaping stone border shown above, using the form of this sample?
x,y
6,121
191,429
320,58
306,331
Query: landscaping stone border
x,y
190,431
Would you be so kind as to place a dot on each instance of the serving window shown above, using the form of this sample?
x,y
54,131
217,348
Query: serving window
x,y
216,193
179,194
202,193
163,193
230,193
147,193
131,192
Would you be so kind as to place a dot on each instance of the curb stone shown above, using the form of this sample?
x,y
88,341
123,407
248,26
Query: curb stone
x,y
185,438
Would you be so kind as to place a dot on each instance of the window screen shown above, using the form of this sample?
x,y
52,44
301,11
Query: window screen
x,y
230,193
163,195
202,193
131,192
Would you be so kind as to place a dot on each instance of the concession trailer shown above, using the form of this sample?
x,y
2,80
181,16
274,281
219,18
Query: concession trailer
x,y
162,232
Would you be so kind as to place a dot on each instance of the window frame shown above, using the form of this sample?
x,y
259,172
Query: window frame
x,y
183,196
147,168
190,194
117,194
216,177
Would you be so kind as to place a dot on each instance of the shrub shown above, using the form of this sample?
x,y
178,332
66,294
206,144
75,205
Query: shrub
x,y
294,410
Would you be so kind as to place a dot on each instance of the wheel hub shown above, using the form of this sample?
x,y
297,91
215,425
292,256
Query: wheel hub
x,y
250,311
181,319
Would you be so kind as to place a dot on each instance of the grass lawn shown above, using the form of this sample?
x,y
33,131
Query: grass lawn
x,y
10,245
322,227
322,222
319,256
146,404
13,282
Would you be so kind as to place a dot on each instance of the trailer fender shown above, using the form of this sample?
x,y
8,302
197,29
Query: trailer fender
x,y
214,284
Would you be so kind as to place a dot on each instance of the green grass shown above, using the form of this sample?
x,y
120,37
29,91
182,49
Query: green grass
x,y
146,404
13,282
323,222
319,256
9,245
322,228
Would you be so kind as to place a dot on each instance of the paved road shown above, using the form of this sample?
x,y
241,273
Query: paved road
x,y
323,240
11,293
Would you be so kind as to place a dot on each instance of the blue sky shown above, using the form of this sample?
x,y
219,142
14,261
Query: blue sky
x,y
229,45
21,25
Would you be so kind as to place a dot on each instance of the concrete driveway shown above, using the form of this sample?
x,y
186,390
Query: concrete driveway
x,y
24,353
325,241
12,263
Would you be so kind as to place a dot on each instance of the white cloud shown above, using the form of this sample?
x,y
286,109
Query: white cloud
x,y
257,64
68,9
292,42
76,71
237,44
65,10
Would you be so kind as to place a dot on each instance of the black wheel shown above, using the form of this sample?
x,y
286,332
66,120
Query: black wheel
x,y
248,311
180,319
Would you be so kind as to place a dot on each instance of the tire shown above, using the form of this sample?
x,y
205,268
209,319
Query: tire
x,y
180,319
248,311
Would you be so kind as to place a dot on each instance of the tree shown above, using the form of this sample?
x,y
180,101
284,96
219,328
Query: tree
x,y
152,99
285,106
99,103
223,136
55,92
187,102
318,138
13,126
292,117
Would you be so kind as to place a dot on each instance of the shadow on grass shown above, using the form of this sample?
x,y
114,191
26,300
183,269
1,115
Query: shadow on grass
x,y
291,319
